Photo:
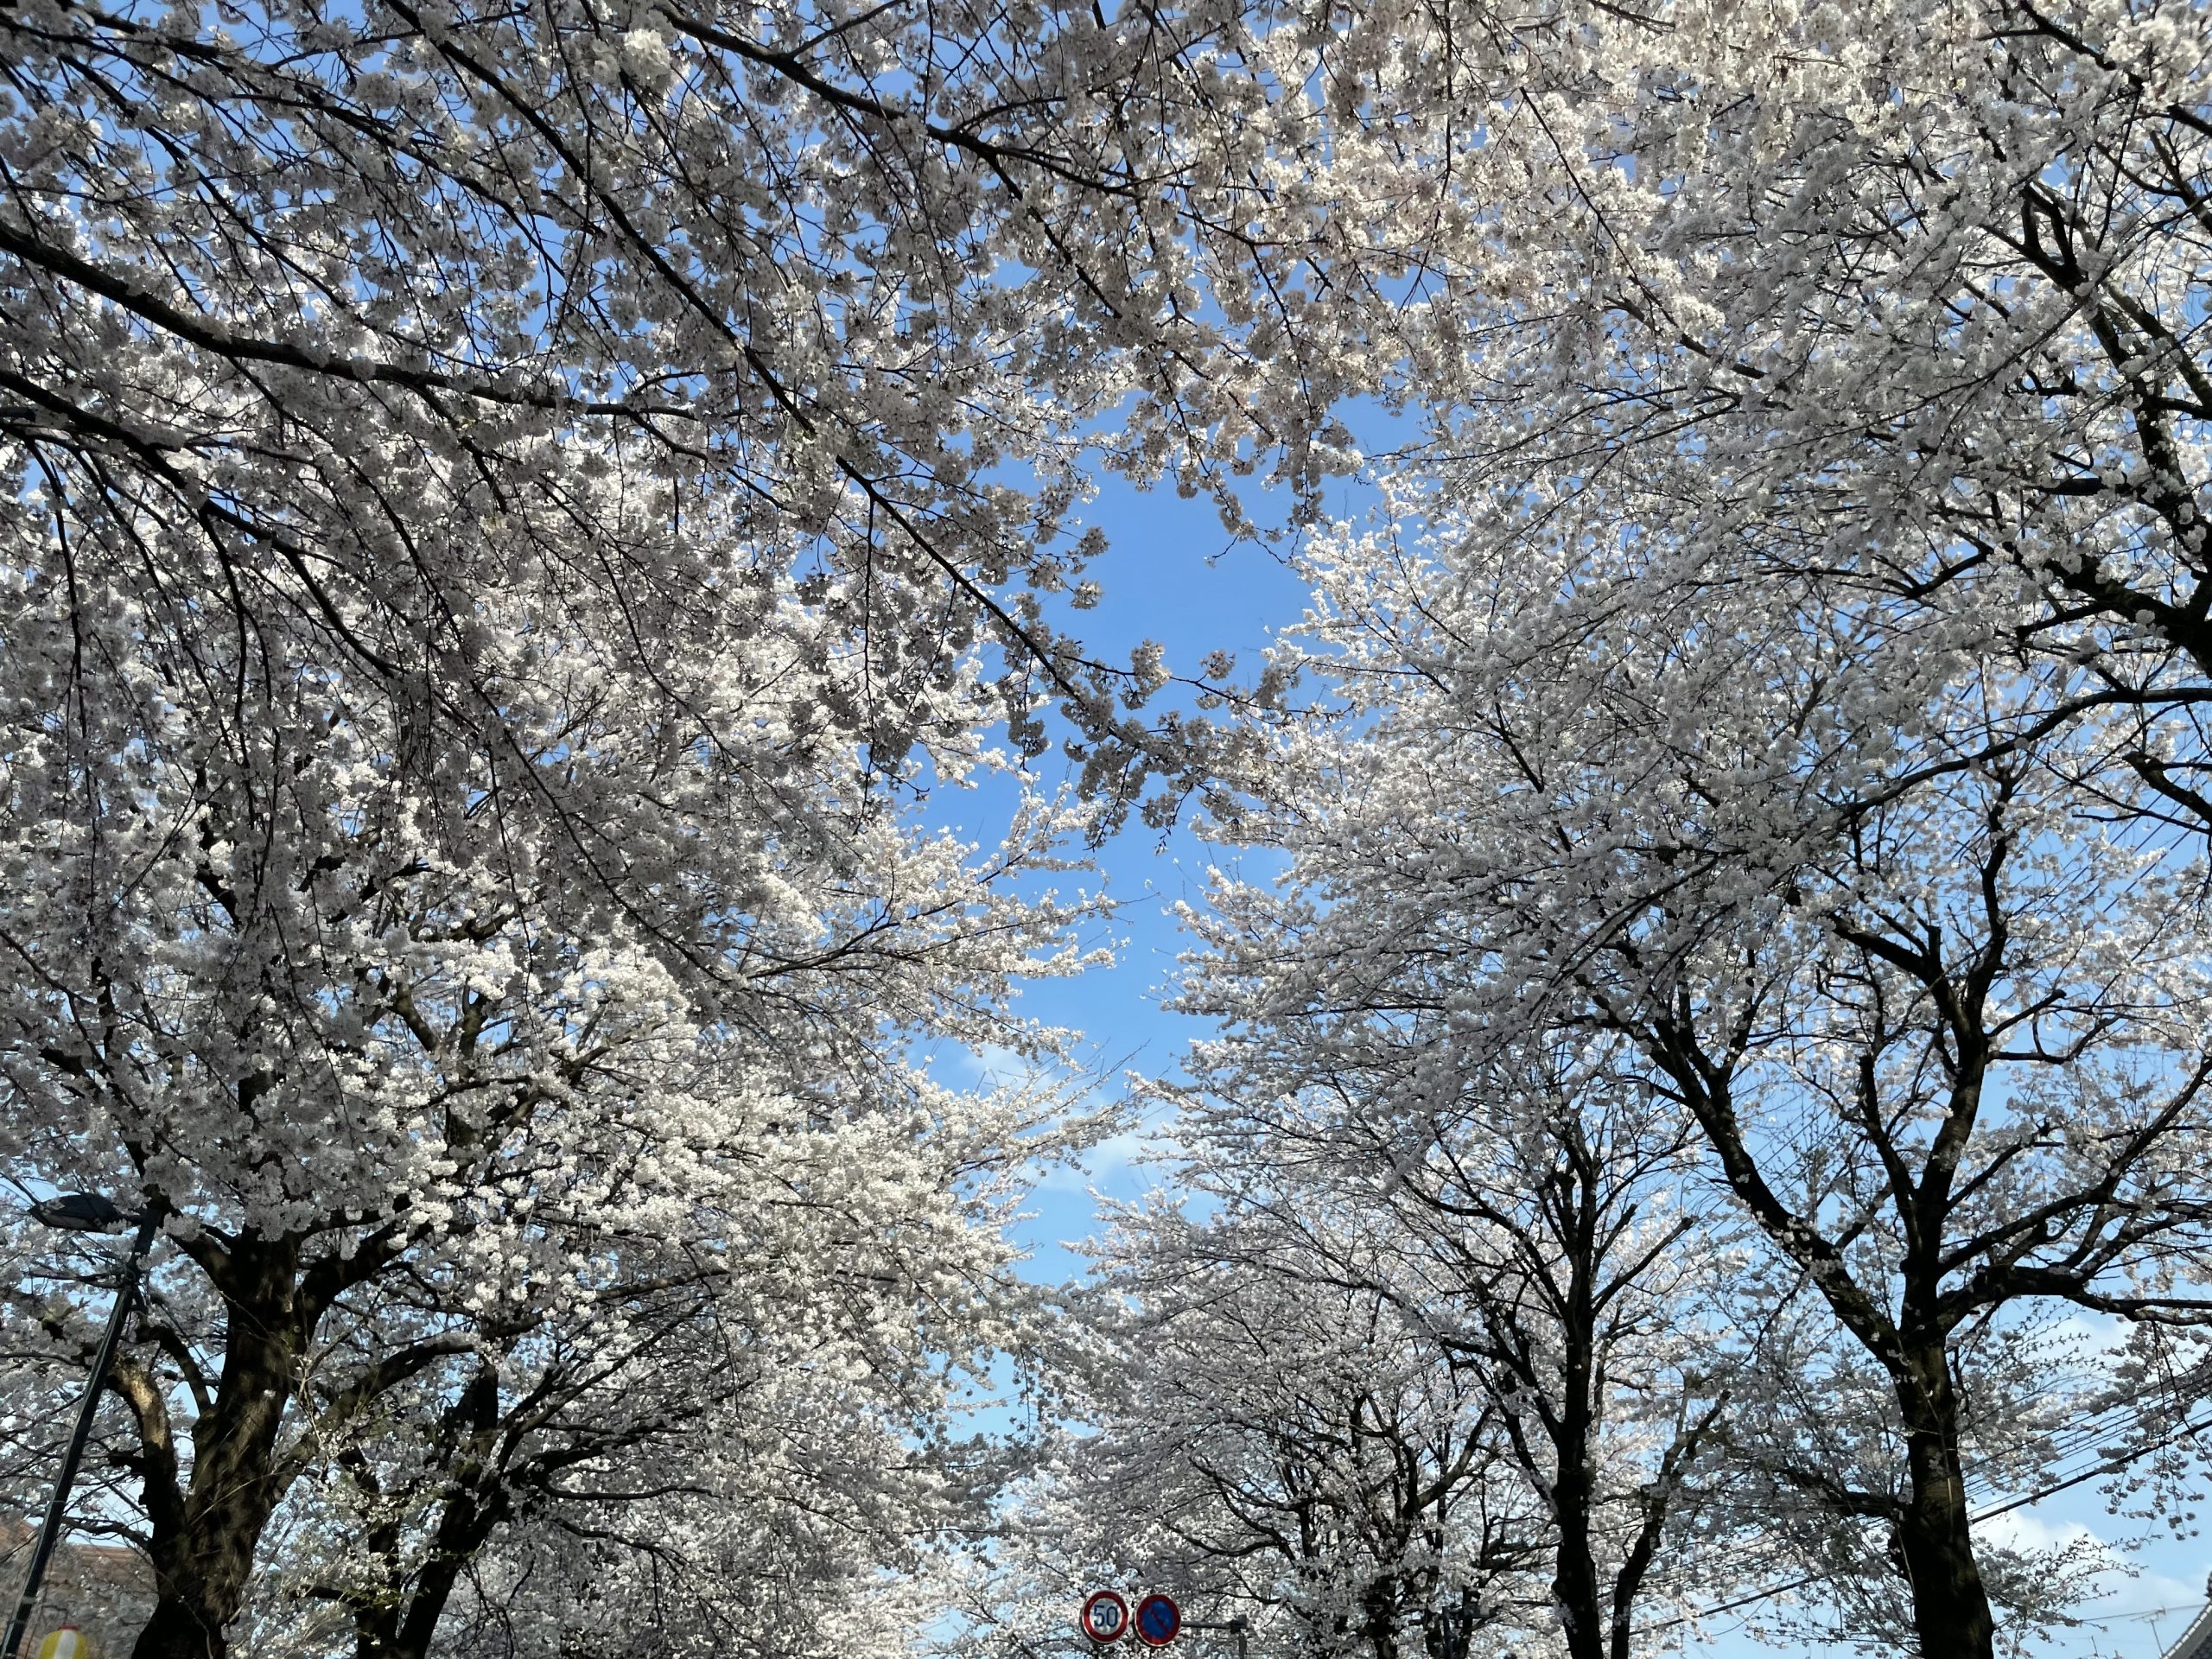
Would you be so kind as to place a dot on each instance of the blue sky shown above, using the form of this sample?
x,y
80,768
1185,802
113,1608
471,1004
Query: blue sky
x,y
1173,575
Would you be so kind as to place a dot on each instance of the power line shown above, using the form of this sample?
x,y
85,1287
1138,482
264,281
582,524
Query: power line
x,y
2086,1433
2110,1465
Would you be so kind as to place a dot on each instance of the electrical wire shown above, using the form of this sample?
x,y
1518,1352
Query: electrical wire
x,y
2109,1465
2088,1434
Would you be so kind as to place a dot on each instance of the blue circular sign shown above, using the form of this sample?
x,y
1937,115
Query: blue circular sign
x,y
1157,1620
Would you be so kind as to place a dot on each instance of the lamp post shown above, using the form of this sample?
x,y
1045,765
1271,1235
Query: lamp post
x,y
80,1212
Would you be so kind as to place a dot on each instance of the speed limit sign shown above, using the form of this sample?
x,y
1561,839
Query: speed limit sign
x,y
1105,1617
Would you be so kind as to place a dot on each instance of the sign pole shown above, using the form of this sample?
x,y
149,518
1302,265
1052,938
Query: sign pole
x,y
57,1508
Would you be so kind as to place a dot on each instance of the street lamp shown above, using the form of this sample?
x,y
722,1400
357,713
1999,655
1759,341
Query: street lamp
x,y
81,1213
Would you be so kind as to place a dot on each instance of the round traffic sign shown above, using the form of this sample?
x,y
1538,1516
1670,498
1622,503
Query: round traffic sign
x,y
1157,1620
1105,1616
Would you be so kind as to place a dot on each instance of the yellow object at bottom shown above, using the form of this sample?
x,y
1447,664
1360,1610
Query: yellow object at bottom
x,y
68,1643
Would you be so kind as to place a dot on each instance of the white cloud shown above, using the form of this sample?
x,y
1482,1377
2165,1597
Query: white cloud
x,y
2026,1529
1110,1167
991,1066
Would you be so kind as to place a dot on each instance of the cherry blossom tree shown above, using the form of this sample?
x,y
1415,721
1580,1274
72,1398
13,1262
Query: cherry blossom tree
x,y
1269,1446
431,1077
499,508
1889,309
1536,1219
1812,552
732,1460
500,504
347,309
1944,1046
1424,1379
1812,583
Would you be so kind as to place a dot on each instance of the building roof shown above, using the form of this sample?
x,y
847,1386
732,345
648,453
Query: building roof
x,y
2195,1642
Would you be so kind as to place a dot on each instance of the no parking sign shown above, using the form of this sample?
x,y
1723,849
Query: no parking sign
x,y
1157,1620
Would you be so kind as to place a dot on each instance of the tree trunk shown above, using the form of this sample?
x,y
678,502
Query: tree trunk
x,y
203,1549
1575,1435
1574,1575
1380,1617
1950,1605
1574,1567
180,1628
